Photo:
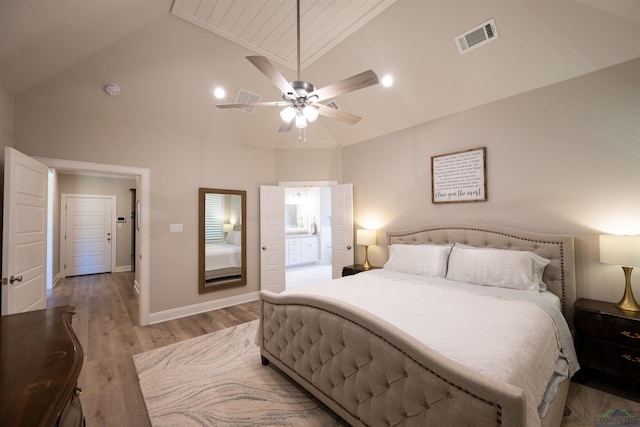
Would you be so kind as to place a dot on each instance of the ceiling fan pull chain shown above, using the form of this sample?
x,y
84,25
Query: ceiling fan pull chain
x,y
302,135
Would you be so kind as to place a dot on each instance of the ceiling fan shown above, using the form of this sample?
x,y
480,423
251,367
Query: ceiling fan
x,y
301,99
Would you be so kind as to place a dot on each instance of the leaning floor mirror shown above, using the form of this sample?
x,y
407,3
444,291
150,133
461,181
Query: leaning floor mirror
x,y
222,239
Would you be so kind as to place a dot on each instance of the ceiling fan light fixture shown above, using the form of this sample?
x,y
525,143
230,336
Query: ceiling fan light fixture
x,y
288,114
301,122
310,113
302,100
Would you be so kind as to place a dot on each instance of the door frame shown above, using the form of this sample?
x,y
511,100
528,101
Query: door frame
x,y
143,220
63,227
326,183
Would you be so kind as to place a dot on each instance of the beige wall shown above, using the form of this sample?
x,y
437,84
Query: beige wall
x,y
93,185
309,164
7,126
179,164
562,159
7,119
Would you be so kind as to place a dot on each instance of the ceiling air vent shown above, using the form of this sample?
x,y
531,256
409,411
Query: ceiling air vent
x,y
333,105
244,97
476,37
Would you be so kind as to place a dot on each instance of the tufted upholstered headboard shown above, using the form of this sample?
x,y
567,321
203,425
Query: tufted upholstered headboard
x,y
559,275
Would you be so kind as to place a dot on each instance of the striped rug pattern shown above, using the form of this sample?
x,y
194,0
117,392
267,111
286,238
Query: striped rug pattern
x,y
218,380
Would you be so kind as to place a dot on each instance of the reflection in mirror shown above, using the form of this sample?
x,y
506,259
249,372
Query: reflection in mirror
x,y
222,238
296,216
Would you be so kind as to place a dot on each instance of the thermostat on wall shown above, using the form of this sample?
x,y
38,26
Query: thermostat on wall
x,y
122,219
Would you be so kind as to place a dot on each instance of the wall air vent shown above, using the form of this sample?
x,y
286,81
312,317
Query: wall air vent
x,y
243,97
476,37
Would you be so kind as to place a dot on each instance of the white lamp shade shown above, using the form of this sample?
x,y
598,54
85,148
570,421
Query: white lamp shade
x,y
227,227
365,237
620,250
310,113
288,114
301,122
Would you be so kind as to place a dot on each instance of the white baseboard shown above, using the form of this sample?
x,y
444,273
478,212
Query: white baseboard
x,y
121,268
189,310
136,286
55,280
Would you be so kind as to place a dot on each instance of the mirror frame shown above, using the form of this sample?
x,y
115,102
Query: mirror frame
x,y
202,288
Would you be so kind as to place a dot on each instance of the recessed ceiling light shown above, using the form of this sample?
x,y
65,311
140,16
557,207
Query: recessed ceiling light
x,y
387,80
219,93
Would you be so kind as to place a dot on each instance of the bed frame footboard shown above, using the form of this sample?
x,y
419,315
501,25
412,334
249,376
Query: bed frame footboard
x,y
373,374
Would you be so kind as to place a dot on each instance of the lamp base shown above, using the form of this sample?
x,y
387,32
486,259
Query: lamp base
x,y
366,264
628,303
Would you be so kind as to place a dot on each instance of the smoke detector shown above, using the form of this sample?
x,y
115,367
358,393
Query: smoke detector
x,y
112,89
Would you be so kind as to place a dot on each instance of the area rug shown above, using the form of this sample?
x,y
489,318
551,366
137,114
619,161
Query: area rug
x,y
218,380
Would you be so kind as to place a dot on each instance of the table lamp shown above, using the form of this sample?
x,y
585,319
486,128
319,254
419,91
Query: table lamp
x,y
623,251
366,238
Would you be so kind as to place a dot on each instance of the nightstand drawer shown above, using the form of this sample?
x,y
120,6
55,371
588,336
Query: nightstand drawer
x,y
609,358
608,339
608,329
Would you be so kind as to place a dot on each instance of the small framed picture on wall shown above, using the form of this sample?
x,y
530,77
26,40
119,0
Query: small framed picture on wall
x,y
459,177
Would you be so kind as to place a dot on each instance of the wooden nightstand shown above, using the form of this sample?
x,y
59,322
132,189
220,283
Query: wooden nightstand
x,y
608,339
350,270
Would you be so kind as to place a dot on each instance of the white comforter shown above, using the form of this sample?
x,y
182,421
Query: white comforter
x,y
221,255
487,329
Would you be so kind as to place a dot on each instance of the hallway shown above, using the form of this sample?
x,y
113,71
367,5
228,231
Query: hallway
x,y
106,307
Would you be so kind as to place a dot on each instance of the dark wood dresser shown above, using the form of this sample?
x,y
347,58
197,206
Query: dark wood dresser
x,y
40,359
608,339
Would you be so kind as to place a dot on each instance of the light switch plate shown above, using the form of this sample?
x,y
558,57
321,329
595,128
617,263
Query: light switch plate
x,y
175,228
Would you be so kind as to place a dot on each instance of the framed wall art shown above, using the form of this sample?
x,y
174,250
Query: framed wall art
x,y
459,177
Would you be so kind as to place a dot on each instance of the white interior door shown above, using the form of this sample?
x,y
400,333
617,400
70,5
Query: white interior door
x,y
24,260
88,238
341,228
272,249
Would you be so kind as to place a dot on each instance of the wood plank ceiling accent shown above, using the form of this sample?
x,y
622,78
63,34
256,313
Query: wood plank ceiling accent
x,y
269,27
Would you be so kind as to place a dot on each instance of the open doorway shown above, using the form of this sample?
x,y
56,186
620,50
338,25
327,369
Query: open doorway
x,y
141,221
273,254
307,235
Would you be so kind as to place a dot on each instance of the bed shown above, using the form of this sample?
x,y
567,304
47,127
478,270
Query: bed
x,y
223,260
421,359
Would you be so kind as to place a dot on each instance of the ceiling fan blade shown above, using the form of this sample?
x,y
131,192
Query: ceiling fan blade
x,y
359,81
254,104
326,111
286,127
267,68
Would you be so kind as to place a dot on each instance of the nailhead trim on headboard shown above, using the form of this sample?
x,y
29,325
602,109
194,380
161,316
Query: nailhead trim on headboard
x,y
558,248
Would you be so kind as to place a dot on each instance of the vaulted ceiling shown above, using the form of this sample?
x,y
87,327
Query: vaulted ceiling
x,y
63,52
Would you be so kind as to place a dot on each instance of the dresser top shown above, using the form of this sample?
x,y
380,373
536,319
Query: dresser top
x,y
40,360
608,308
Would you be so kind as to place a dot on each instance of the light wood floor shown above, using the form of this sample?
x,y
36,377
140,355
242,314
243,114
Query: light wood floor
x,y
106,307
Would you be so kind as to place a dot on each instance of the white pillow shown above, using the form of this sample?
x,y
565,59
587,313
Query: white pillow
x,y
231,237
238,240
497,267
423,260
